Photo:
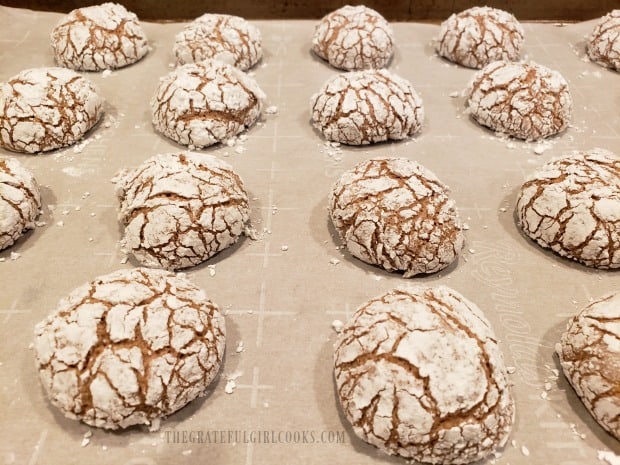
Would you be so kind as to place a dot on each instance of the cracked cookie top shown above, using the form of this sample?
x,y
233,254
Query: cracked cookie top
x,y
20,201
227,38
589,353
523,100
394,213
354,38
99,37
571,205
180,209
603,44
201,104
363,107
129,348
419,374
477,36
44,109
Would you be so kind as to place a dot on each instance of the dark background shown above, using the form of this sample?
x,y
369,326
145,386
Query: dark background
x,y
400,10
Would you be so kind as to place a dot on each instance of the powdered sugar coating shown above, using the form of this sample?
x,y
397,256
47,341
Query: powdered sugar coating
x,y
524,100
603,44
129,348
480,35
99,37
44,109
589,353
227,38
395,213
201,104
419,374
571,205
363,107
20,201
354,38
180,209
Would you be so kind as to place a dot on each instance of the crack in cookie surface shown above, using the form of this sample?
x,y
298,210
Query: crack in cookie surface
x,y
571,205
419,374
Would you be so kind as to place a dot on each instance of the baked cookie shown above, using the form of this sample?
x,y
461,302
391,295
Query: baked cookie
x,y
201,104
129,348
590,358
394,213
179,209
227,38
43,109
99,37
363,107
603,44
419,374
354,38
571,205
524,100
477,36
20,201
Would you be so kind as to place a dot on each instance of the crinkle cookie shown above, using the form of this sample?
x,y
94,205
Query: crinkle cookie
x,y
354,38
99,37
43,109
201,104
571,205
363,107
20,201
419,374
523,100
227,38
394,213
603,44
179,209
480,35
129,348
590,357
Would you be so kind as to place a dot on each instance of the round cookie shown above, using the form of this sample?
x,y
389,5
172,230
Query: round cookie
x,y
20,201
571,205
363,107
44,109
523,100
354,38
129,348
227,38
201,104
394,213
590,358
179,209
603,44
99,37
419,374
480,35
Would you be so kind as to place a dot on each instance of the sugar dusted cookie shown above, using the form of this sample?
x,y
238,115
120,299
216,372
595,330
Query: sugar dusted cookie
x,y
603,44
20,201
524,100
571,205
363,107
354,38
99,37
201,104
480,35
394,213
419,374
129,348
180,209
590,358
227,38
44,109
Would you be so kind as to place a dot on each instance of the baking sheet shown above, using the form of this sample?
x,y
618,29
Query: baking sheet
x,y
282,291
